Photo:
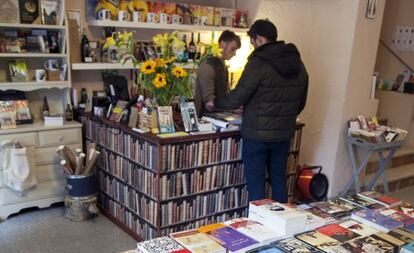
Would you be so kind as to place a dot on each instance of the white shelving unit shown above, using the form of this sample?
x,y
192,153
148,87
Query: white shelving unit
x,y
32,26
33,85
32,55
108,66
141,25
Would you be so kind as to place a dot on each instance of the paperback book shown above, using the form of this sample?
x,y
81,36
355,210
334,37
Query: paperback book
x,y
368,244
409,248
265,249
18,71
160,245
189,115
358,201
9,11
231,239
376,220
165,119
295,245
29,11
318,240
396,243
254,230
396,215
359,228
338,232
197,242
380,198
402,234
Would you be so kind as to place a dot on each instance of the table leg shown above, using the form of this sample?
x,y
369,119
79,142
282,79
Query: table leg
x,y
383,163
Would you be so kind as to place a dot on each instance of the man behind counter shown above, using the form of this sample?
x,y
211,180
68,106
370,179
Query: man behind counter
x,y
212,75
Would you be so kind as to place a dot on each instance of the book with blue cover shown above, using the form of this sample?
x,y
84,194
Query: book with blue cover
x,y
231,239
409,248
265,249
376,220
295,245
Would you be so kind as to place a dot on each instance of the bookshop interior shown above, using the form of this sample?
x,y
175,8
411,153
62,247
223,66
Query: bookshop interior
x,y
206,126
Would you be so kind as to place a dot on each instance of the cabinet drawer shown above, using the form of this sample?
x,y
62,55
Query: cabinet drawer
x,y
59,137
26,139
49,156
47,173
42,191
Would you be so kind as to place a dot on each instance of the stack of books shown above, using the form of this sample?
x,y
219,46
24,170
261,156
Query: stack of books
x,y
368,129
276,227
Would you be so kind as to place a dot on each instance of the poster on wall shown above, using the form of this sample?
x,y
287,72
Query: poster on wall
x,y
371,9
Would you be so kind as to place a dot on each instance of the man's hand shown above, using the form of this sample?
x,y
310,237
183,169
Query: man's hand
x,y
209,106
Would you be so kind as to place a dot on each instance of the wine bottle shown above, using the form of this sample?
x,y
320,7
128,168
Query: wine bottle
x,y
69,113
185,55
45,109
192,50
199,48
85,47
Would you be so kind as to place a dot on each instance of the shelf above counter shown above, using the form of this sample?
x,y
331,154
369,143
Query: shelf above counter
x,y
31,26
108,66
33,85
178,27
38,125
32,55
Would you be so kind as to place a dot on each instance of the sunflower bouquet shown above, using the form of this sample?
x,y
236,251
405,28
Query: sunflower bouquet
x,y
163,78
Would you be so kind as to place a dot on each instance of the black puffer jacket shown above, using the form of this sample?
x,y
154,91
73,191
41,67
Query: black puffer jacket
x,y
272,89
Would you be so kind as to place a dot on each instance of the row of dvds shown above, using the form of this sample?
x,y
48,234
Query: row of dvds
x,y
186,155
143,152
128,197
205,179
295,141
127,218
142,180
235,213
203,205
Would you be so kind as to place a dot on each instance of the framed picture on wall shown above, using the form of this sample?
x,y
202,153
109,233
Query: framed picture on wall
x,y
371,9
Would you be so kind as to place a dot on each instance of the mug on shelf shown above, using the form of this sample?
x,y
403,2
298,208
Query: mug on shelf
x,y
51,64
203,20
165,18
104,14
123,16
40,75
137,16
176,19
152,17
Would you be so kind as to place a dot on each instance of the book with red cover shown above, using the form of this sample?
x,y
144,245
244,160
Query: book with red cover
x,y
338,232
380,198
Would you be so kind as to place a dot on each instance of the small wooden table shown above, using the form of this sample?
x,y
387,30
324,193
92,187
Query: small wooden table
x,y
372,148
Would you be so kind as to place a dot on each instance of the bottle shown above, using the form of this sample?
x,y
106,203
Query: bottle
x,y
83,98
69,113
192,50
185,51
45,109
84,47
101,47
199,48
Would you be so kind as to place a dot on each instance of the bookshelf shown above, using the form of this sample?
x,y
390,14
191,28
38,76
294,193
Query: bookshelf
x,y
120,65
151,186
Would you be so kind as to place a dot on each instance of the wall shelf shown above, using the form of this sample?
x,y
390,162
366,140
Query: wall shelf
x,y
33,85
106,66
31,26
32,55
139,25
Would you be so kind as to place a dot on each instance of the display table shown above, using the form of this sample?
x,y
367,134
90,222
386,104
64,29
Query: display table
x,y
371,148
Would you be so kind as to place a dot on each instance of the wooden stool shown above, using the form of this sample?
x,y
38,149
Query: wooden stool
x,y
80,209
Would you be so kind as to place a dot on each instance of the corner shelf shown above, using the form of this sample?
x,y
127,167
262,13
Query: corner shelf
x,y
141,25
31,26
32,55
106,66
33,85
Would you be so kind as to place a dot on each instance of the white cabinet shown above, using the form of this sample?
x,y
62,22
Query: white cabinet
x,y
42,141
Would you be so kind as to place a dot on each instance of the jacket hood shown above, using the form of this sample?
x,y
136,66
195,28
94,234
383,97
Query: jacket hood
x,y
284,58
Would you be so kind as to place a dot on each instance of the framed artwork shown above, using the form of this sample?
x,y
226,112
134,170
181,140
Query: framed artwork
x,y
371,9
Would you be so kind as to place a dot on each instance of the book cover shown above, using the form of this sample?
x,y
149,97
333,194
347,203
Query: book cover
x,y
53,38
338,232
376,220
359,228
318,240
397,244
197,242
265,249
9,11
7,120
189,115
380,198
338,249
50,12
231,239
159,245
295,245
370,244
18,71
118,111
253,229
165,119
358,201
398,216
402,235
28,10
405,208
409,248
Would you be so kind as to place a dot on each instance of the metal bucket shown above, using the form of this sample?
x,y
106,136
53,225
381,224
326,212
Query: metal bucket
x,y
81,186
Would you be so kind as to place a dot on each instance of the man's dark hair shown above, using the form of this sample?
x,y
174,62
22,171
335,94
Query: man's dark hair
x,y
229,36
264,28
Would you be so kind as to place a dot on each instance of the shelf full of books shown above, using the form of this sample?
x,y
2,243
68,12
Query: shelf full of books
x,y
152,187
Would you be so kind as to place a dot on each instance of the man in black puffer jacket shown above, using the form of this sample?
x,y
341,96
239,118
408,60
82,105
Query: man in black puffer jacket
x,y
272,90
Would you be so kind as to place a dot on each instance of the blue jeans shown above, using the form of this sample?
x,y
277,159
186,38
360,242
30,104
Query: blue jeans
x,y
256,155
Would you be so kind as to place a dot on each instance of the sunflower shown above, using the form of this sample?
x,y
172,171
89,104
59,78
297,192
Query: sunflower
x,y
159,81
170,60
179,72
148,67
160,62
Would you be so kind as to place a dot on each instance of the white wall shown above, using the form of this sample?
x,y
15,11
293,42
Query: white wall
x,y
331,38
